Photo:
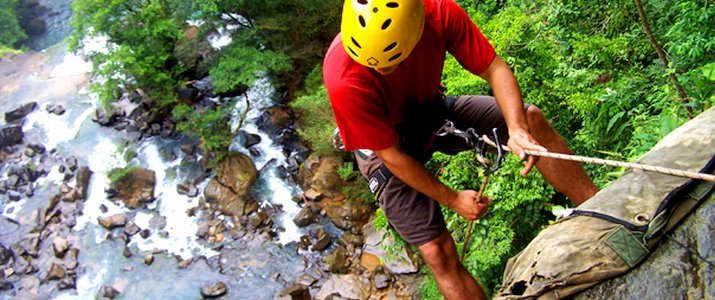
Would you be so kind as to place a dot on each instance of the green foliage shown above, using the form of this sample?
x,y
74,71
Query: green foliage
x,y
212,126
241,66
117,174
316,117
10,31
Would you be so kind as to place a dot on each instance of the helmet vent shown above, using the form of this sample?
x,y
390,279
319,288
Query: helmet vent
x,y
390,47
353,52
355,42
363,2
386,24
362,21
394,57
392,4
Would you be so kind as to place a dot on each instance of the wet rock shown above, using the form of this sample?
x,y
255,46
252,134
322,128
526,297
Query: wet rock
x,y
55,272
145,233
67,283
279,116
188,149
31,244
135,187
127,252
305,217
71,259
323,240
149,259
83,177
11,135
13,195
71,163
187,189
337,261
103,208
306,279
20,112
5,254
108,292
259,219
101,117
112,221
249,139
29,152
131,228
56,109
296,292
157,222
6,286
185,263
60,245
214,290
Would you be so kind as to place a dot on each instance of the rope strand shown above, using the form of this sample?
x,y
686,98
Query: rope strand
x,y
614,163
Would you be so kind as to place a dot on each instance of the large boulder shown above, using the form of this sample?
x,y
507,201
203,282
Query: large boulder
x,y
346,214
134,186
320,173
20,112
11,135
231,188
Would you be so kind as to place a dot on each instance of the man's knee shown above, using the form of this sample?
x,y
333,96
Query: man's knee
x,y
440,254
537,120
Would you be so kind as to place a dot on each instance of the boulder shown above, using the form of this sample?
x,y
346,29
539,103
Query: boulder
x,y
113,221
20,112
305,217
11,135
214,290
135,187
346,214
237,172
296,292
320,174
229,202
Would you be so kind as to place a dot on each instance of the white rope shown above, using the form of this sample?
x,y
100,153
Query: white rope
x,y
614,163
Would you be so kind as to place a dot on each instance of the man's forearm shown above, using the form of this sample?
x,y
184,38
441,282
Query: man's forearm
x,y
416,175
507,93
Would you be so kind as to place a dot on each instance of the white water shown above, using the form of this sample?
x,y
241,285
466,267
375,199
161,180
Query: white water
x,y
261,96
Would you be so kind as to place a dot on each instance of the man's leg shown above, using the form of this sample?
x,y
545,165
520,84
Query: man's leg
x,y
567,177
452,278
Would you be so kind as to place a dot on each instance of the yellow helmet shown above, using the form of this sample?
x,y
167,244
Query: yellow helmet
x,y
381,33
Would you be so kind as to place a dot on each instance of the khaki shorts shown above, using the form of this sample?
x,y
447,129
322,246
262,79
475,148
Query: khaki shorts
x,y
415,216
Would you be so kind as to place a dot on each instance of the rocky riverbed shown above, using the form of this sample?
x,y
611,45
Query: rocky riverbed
x,y
269,221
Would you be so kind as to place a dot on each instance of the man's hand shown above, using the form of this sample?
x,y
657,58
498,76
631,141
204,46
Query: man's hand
x,y
468,206
520,140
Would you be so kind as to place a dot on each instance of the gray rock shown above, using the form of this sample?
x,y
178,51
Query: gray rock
x,y
108,292
214,290
11,135
131,228
157,222
83,177
20,112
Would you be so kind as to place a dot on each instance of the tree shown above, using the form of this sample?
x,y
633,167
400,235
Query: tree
x,y
10,31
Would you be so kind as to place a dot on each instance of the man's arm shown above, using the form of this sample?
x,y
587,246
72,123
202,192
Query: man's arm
x,y
414,174
508,96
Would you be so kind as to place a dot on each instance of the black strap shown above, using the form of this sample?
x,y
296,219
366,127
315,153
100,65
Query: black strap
x,y
378,179
667,205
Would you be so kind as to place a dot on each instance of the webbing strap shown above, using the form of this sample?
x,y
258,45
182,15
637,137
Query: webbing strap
x,y
378,180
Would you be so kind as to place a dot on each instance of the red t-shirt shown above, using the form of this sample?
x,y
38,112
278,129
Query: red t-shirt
x,y
367,105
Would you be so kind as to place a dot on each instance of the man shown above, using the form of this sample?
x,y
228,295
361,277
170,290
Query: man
x,y
382,73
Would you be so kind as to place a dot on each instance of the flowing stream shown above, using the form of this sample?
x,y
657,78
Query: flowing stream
x,y
256,263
